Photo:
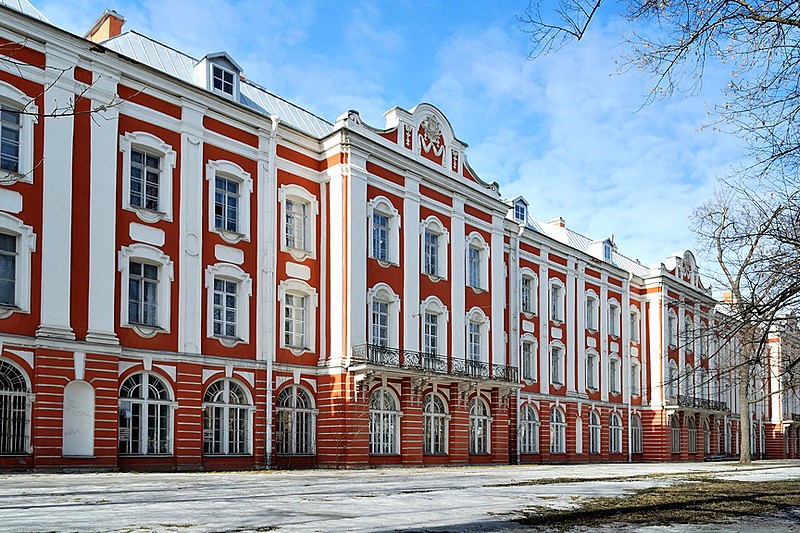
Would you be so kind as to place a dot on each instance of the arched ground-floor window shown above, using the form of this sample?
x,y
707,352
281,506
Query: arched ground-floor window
x,y
145,415
529,430
14,410
296,422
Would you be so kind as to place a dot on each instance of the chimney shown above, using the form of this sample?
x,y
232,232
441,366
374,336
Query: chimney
x,y
559,222
108,26
727,297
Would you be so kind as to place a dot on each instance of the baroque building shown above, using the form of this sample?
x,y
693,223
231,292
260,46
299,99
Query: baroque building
x,y
199,274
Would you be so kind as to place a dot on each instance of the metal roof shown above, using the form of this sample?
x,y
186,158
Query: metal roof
x,y
182,66
23,6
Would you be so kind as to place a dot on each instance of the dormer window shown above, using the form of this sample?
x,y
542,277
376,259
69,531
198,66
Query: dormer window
x,y
222,80
520,213
607,249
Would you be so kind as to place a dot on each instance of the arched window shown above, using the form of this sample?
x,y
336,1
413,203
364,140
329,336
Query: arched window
x,y
229,191
614,433
477,343
384,313
384,423
692,434
529,430
477,262
479,422
556,300
675,433
384,227
14,410
435,238
636,434
594,432
434,317
558,431
296,422
706,438
147,167
434,428
226,427
145,415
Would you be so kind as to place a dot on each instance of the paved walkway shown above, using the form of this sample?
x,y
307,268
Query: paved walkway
x,y
430,500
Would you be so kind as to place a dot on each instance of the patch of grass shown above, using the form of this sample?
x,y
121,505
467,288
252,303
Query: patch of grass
x,y
705,501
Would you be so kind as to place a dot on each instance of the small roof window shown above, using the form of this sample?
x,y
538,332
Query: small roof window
x,y
220,74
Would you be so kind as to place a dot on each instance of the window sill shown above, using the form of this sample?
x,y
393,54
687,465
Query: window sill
x,y
298,351
435,278
149,216
386,263
528,314
298,254
8,310
227,455
10,177
231,237
229,342
476,290
146,331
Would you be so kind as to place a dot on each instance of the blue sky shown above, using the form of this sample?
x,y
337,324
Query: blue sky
x,y
565,130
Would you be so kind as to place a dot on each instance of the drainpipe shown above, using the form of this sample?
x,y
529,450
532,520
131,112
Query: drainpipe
x,y
272,243
515,317
628,348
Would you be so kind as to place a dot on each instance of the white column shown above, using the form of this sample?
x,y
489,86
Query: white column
x,y
580,320
544,322
603,327
498,292
625,342
657,347
102,212
411,264
458,312
571,359
190,292
56,229
267,244
356,253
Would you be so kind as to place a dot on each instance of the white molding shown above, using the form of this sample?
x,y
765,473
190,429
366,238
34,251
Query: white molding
x,y
151,144
299,194
299,288
166,275
26,245
232,171
244,290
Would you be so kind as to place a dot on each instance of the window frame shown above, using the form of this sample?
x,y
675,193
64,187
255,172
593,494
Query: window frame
x,y
149,144
475,242
296,193
388,428
673,378
672,329
558,431
615,428
435,425
637,434
10,400
229,272
593,362
383,293
557,361
213,67
614,374
591,311
432,305
529,429
231,171
296,287
302,420
433,225
594,432
614,318
383,206
529,369
225,424
635,318
557,300
480,427
477,317
18,102
168,405
532,308
23,268
166,275
636,377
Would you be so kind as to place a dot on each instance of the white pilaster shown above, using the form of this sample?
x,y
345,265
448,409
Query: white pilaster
x,y
356,253
458,284
498,292
603,327
544,322
411,264
571,357
580,320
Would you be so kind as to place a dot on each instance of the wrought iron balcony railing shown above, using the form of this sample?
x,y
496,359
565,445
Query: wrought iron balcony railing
x,y
698,403
795,417
374,354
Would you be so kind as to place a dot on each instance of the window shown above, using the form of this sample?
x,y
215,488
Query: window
x,y
145,416
17,242
380,323
688,381
702,340
435,239
637,439
226,419
688,334
529,430
529,287
591,370
299,227
521,212
222,80
692,434
635,319
230,188
477,343
384,226
614,374
702,384
434,425
474,341
672,380
672,329
434,338
706,438
556,301
15,410
384,316
558,431
614,434
479,424
594,432
675,433
477,262
636,378
557,365
298,309
16,135
146,276
728,433
147,167
384,423
613,318
591,311
229,290
528,358
8,270
296,422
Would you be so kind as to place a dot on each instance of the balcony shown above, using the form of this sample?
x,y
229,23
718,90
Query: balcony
x,y
694,402
384,356
794,417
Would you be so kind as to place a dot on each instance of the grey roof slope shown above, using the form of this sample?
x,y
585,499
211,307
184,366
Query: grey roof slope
x,y
179,65
23,6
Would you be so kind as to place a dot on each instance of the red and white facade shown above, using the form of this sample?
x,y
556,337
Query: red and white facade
x,y
197,274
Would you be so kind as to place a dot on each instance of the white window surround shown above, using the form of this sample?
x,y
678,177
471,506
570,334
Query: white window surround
x,y
299,194
531,369
475,240
593,361
16,99
477,316
672,329
614,317
672,380
614,374
433,305
382,205
636,324
557,308
300,288
592,307
230,272
384,293
558,370
232,171
533,304
434,225
636,377
12,395
26,245
152,145
166,276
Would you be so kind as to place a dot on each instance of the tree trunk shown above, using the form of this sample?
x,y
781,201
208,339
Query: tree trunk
x,y
744,413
